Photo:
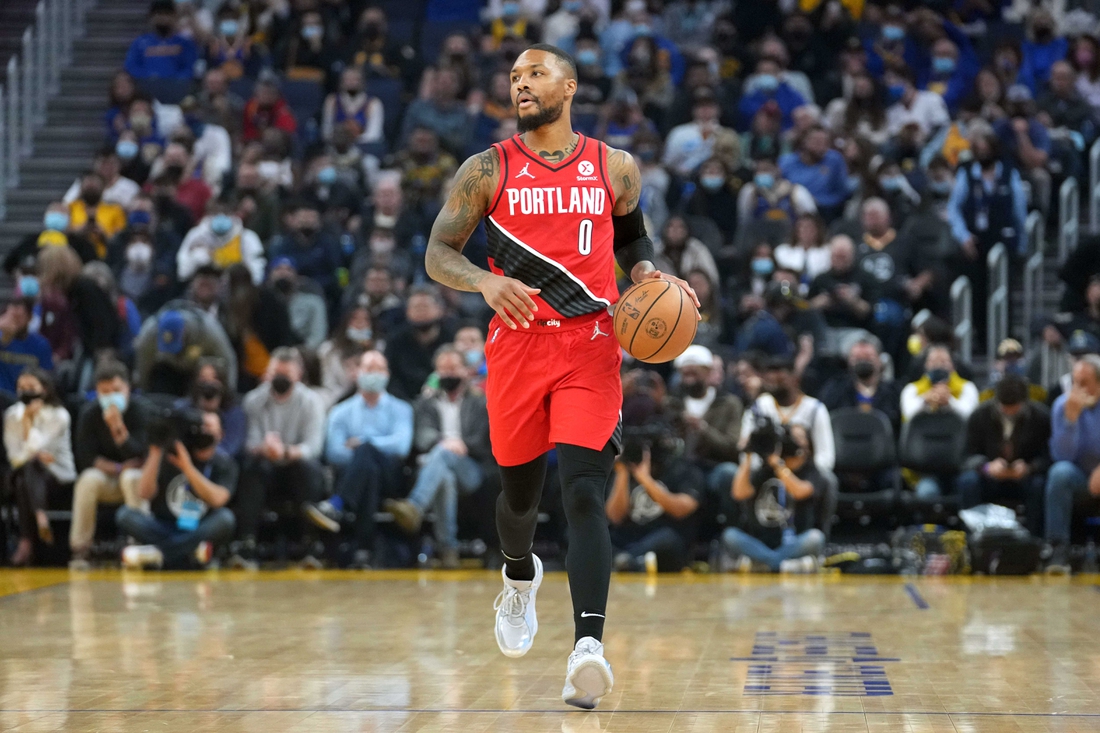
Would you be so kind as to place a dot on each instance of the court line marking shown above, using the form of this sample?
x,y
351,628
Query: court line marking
x,y
918,599
617,711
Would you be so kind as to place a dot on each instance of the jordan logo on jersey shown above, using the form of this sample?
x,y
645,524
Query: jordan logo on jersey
x,y
525,172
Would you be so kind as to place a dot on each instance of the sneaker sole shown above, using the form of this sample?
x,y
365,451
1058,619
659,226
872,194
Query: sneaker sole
x,y
592,681
316,516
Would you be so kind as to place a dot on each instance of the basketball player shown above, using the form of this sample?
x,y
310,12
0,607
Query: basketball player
x,y
559,209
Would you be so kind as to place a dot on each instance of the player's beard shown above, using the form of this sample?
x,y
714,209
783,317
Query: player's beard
x,y
544,116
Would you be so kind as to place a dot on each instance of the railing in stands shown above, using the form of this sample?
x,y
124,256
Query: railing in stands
x,y
1069,218
996,329
962,295
31,79
1053,363
1094,188
1033,273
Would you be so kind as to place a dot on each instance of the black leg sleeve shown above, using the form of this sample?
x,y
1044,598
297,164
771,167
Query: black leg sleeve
x,y
585,478
518,515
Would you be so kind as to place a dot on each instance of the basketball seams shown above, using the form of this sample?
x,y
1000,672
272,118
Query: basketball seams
x,y
684,303
672,331
630,348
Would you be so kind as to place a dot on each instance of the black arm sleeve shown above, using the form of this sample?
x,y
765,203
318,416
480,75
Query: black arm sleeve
x,y
632,244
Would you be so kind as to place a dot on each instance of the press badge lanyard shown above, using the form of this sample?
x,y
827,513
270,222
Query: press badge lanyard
x,y
191,509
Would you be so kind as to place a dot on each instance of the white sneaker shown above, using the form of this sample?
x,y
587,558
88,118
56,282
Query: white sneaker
x,y
136,557
589,676
515,606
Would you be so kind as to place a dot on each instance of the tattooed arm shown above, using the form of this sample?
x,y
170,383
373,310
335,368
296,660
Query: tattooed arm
x,y
467,202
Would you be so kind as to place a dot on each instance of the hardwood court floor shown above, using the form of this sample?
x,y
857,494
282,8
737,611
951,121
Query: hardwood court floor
x,y
408,651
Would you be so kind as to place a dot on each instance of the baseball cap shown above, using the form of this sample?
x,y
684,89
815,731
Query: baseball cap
x,y
1009,348
170,328
282,262
694,355
1081,343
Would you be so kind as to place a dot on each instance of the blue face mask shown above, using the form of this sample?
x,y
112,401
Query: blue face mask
x,y
56,220
642,29
943,65
1015,367
139,218
228,27
326,176
762,266
712,183
764,180
359,335
940,188
893,33
509,9
895,92
588,57
473,357
220,224
372,382
116,399
767,82
572,6
312,32
854,182
892,183
28,286
126,149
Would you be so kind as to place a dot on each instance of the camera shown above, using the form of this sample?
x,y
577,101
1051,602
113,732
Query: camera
x,y
768,436
656,437
167,424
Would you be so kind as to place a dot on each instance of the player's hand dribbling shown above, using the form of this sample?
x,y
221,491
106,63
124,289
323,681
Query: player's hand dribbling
x,y
511,300
658,275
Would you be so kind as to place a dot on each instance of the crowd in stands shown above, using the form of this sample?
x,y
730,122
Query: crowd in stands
x,y
249,244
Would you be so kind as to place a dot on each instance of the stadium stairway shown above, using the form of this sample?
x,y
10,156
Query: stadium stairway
x,y
73,131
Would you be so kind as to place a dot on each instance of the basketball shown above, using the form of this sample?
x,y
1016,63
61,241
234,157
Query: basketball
x,y
655,320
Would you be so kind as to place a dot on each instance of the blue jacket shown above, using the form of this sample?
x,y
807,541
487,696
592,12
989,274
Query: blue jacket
x,y
826,181
153,57
1038,58
919,59
388,426
788,100
1079,442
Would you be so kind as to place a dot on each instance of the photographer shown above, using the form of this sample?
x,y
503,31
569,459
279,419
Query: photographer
x,y
775,487
188,486
653,500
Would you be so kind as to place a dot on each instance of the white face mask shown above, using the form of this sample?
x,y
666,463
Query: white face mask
x,y
381,245
269,169
139,254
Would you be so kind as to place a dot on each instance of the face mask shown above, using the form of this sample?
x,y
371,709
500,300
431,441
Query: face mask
x,y
164,28
174,171
893,33
943,65
281,384
359,335
283,285
209,390
28,286
126,149
140,121
695,389
1084,58
762,266
854,182
92,198
372,31
268,169
863,370
712,183
1006,63
473,357
1015,367
228,27
509,9
767,82
781,394
450,384
572,6
139,254
312,32
326,176
940,188
642,29
764,180
116,399
28,397
938,376
220,224
372,382
895,92
56,220
588,57
139,218
891,183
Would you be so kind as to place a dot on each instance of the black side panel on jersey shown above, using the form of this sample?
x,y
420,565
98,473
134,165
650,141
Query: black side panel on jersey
x,y
565,293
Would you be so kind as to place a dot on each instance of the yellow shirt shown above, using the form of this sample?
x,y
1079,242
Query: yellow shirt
x,y
110,219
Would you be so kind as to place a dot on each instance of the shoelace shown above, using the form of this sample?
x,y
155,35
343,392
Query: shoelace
x,y
514,603
583,650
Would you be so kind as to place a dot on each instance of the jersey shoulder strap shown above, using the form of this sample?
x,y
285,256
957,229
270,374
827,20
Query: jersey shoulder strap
x,y
503,156
605,171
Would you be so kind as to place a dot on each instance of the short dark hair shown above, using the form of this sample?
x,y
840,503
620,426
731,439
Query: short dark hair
x,y
1012,390
109,369
562,56
162,6
49,388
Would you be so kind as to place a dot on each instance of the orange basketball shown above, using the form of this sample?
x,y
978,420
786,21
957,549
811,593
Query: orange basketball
x,y
655,320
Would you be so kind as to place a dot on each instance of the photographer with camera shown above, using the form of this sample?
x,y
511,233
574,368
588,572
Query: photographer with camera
x,y
775,487
188,482
654,494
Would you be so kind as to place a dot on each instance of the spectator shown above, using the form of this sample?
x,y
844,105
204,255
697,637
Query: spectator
x,y
715,324
1075,451
210,392
862,113
1064,107
844,294
20,349
767,86
771,198
912,106
820,169
470,342
117,189
171,212
180,165
109,448
378,294
55,231
424,168
350,106
266,110
256,321
1026,143
310,54
218,105
256,203
411,349
623,120
129,320
285,437
715,198
677,252
381,56
143,128
807,254
1010,360
1007,447
188,489
783,322
891,260
230,50
210,145
163,53
690,144
93,218
77,317
864,386
122,92
368,437
314,251
779,523
442,112
949,78
1041,49
451,435
339,356
308,314
39,449
220,240
1086,62
173,342
134,163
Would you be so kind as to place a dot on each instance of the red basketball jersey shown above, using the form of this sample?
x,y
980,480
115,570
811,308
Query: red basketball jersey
x,y
549,226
